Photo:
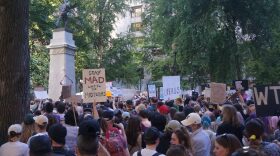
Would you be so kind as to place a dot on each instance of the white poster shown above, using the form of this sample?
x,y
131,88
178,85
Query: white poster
x,y
171,87
152,91
41,95
161,93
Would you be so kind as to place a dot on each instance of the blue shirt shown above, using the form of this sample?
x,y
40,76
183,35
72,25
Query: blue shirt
x,y
201,143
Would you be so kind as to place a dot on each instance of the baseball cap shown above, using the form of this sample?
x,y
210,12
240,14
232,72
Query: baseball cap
x,y
15,129
192,118
41,120
28,119
173,125
57,132
40,145
89,128
108,114
125,115
163,109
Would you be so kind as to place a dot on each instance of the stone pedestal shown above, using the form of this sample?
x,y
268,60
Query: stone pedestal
x,y
62,63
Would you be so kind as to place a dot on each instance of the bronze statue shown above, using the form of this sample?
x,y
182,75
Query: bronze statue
x,y
64,11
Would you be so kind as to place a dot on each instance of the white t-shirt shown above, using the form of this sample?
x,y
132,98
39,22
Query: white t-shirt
x,y
147,152
14,149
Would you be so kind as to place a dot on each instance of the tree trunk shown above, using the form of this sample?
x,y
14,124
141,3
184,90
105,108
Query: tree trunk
x,y
14,63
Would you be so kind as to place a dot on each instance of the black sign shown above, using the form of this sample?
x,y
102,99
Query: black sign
x,y
241,84
267,100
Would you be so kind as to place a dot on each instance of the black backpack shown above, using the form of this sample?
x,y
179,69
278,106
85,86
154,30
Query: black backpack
x,y
139,154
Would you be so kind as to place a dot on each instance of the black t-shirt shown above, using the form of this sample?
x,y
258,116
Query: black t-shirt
x,y
230,129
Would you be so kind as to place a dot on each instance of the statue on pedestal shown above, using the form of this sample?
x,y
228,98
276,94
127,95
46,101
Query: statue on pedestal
x,y
64,10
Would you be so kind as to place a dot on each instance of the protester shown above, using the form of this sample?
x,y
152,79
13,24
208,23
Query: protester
x,y
230,122
14,147
200,140
114,135
41,123
181,136
179,105
52,118
71,125
165,138
88,143
28,128
247,151
153,105
134,134
254,131
151,138
178,150
61,111
40,146
226,144
57,134
145,122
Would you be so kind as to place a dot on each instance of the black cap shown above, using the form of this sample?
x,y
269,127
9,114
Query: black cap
x,y
40,145
108,114
57,132
28,119
151,134
129,102
89,128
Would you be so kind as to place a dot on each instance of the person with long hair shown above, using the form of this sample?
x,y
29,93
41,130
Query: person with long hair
x,y
254,132
28,128
181,136
178,150
134,134
226,144
230,122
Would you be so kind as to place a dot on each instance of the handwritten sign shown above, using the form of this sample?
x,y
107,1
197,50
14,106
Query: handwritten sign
x,y
218,93
94,86
41,95
241,84
171,87
267,100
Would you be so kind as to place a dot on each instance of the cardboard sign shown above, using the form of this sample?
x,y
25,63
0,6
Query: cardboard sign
x,y
41,95
66,92
267,100
171,87
152,91
218,93
94,86
241,84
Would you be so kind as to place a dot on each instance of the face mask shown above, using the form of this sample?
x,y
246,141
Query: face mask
x,y
244,111
245,141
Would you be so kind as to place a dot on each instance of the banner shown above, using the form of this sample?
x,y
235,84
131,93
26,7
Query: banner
x,y
218,93
171,87
94,86
241,84
152,92
267,100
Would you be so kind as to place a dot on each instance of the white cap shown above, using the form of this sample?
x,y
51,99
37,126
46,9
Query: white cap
x,y
125,115
192,118
15,128
41,120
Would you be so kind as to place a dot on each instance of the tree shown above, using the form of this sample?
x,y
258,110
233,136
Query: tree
x,y
14,64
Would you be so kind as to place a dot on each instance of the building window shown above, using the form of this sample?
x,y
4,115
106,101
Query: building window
x,y
136,11
136,26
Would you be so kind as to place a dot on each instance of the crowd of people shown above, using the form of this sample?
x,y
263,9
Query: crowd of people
x,y
144,127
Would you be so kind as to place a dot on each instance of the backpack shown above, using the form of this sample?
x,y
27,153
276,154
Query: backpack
x,y
139,153
114,142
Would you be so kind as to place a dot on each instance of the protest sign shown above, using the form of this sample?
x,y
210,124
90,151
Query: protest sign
x,y
207,92
267,100
218,93
109,86
171,87
241,84
152,90
41,95
94,86
161,93
66,91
